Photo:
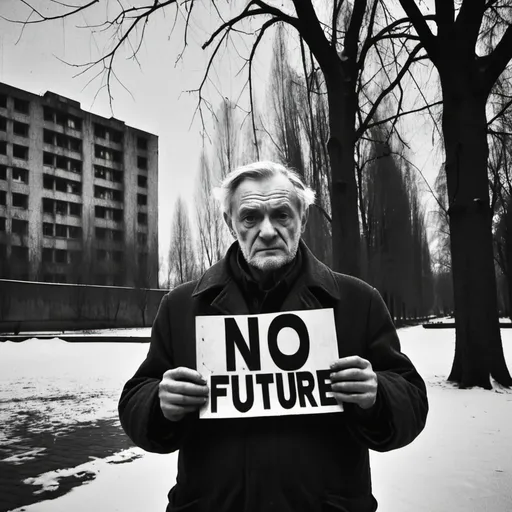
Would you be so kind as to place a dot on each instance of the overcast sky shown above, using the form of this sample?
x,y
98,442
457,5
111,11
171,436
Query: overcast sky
x,y
157,100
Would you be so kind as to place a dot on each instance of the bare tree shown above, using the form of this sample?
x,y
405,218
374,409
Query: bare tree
x,y
471,47
398,257
182,260
296,139
227,140
344,40
213,238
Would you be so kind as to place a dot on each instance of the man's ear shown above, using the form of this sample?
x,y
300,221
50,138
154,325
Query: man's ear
x,y
227,220
305,217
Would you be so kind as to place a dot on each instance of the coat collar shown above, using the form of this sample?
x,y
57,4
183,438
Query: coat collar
x,y
310,289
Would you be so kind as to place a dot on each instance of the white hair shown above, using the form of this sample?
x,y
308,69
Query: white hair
x,y
257,171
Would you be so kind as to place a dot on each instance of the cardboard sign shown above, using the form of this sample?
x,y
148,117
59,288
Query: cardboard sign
x,y
267,365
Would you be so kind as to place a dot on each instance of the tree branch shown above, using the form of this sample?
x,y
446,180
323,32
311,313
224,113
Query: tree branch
x,y
43,18
500,113
401,114
412,57
468,22
419,21
497,61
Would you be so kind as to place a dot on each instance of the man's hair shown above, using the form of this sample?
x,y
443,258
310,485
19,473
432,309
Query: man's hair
x,y
258,171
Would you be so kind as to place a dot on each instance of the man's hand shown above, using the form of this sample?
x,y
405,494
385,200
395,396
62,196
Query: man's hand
x,y
353,380
181,391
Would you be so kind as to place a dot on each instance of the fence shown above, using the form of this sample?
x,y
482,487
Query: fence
x,y
32,306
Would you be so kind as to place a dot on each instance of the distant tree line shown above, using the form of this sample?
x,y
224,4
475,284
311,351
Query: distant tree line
x,y
395,257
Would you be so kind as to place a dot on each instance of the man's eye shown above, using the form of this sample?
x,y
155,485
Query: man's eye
x,y
283,216
249,218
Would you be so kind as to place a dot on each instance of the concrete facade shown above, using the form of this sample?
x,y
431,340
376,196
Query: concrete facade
x,y
78,194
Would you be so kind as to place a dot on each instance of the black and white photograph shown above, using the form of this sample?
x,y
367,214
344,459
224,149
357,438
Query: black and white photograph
x,y
255,256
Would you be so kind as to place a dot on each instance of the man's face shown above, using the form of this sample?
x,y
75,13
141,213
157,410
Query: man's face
x,y
266,220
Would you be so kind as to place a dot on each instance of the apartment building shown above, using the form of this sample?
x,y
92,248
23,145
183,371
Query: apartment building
x,y
78,194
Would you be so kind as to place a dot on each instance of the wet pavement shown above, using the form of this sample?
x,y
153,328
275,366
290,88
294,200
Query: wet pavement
x,y
32,454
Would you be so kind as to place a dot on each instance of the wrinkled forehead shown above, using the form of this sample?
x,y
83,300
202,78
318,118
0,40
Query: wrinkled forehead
x,y
274,192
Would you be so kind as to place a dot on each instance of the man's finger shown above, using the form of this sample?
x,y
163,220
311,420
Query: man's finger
x,y
183,400
351,387
186,374
349,362
349,374
184,388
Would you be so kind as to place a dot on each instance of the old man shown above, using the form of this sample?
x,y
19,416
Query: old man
x,y
289,463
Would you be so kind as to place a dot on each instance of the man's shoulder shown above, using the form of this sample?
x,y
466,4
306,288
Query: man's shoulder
x,y
347,283
182,291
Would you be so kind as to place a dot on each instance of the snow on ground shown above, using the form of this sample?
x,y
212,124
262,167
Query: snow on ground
x,y
59,384
460,463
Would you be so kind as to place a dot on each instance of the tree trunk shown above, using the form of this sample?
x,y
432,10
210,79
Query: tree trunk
x,y
345,222
478,348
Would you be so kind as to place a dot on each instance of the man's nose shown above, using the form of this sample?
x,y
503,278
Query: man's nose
x,y
267,229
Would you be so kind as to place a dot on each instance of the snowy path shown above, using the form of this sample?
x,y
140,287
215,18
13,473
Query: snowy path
x,y
460,463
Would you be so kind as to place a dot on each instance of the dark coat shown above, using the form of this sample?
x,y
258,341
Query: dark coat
x,y
308,463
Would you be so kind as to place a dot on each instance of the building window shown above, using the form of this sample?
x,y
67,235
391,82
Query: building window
x,y
21,106
142,162
107,193
142,218
101,172
3,172
101,255
142,199
142,143
75,144
61,207
99,212
116,136
20,128
3,147
47,255
3,197
20,227
19,200
75,209
142,181
2,224
61,256
117,256
48,114
60,185
142,238
74,123
48,159
19,175
3,124
3,252
75,232
75,166
61,230
47,229
48,205
3,101
20,152
20,253
107,154
100,131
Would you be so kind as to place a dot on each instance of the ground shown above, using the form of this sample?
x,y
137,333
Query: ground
x,y
61,438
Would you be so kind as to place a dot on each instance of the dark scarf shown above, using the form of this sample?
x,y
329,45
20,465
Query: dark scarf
x,y
270,298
